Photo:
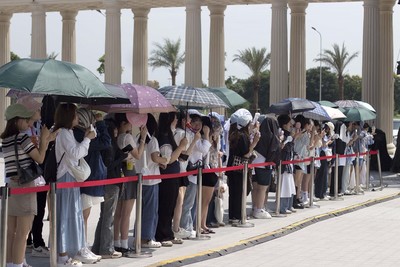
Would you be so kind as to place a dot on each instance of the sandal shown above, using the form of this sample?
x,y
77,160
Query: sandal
x,y
178,241
166,244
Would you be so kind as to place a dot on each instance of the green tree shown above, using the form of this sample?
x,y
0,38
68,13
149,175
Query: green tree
x,y
329,90
352,87
167,55
397,94
257,60
101,69
14,56
338,59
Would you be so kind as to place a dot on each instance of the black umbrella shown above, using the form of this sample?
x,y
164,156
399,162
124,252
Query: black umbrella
x,y
291,105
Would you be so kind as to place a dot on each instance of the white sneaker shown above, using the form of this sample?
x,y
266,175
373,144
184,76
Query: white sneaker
x,y
85,257
70,262
182,233
192,234
261,214
98,257
41,252
151,244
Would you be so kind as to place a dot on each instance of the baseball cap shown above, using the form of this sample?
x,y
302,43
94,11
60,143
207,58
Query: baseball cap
x,y
18,110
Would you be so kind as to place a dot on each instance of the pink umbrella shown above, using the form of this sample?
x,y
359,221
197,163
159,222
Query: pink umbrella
x,y
144,99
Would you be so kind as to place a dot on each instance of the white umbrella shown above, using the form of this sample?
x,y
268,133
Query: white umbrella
x,y
334,113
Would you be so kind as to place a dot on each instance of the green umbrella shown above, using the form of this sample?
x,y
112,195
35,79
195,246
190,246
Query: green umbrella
x,y
358,114
67,81
230,97
327,103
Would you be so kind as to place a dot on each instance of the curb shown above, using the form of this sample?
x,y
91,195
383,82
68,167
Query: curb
x,y
253,241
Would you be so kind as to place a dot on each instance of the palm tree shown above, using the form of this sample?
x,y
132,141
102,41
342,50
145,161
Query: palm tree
x,y
101,68
52,55
338,59
167,55
257,60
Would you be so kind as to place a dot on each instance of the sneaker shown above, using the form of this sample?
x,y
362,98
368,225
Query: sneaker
x,y
25,264
98,257
70,262
261,214
192,234
151,244
167,244
113,255
182,233
177,241
85,257
292,210
41,252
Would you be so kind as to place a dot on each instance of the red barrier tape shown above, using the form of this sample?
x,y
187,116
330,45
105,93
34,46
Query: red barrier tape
x,y
17,191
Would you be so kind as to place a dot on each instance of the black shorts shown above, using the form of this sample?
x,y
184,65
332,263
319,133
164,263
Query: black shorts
x,y
210,179
263,176
183,181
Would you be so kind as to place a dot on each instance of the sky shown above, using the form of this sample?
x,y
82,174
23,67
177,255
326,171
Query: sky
x,y
245,26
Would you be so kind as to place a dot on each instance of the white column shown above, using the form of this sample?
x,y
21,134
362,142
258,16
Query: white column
x,y
38,41
216,69
4,58
140,46
68,50
193,65
112,60
370,53
297,73
279,52
386,94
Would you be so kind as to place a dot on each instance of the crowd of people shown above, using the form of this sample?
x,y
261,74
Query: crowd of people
x,y
173,143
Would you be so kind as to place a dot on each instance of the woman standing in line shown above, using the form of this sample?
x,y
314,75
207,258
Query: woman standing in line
x,y
21,208
70,230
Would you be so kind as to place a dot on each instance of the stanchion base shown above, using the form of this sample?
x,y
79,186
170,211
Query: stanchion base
x,y
278,215
244,225
141,254
201,237
313,206
336,199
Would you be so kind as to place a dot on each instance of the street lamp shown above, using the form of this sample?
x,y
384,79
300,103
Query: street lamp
x,y
320,61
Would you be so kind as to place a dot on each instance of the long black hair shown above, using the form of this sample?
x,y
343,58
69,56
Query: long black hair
x,y
164,127
152,127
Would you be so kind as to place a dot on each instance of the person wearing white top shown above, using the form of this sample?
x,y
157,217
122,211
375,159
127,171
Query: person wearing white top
x,y
70,225
200,150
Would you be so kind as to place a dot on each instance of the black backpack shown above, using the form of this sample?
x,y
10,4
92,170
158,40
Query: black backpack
x,y
51,164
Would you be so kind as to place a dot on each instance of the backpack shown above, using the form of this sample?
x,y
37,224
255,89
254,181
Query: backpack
x,y
51,165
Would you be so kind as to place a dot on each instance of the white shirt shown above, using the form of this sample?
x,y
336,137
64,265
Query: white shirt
x,y
66,142
145,159
178,136
200,151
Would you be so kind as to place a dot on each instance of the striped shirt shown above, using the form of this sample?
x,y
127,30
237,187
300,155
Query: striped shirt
x,y
24,147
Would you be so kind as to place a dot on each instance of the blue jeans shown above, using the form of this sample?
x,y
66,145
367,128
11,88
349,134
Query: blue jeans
x,y
149,211
188,202
104,236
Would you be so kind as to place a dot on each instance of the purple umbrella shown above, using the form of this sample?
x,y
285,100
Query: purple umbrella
x,y
144,99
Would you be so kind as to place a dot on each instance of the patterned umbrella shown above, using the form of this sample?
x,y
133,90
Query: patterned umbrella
x,y
144,99
318,113
354,104
334,113
182,96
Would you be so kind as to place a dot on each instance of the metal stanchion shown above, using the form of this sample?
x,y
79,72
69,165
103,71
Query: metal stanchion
x,y
367,171
243,223
380,171
4,214
138,224
199,196
358,191
336,180
53,225
278,193
311,187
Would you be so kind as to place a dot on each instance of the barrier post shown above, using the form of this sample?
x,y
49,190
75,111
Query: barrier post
x,y
311,186
4,214
336,180
278,193
358,187
380,171
243,222
199,197
53,224
138,224
367,181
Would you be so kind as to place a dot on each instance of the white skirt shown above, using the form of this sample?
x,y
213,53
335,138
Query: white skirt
x,y
288,186
90,201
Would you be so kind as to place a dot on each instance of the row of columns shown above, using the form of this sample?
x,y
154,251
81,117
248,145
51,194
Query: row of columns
x,y
377,49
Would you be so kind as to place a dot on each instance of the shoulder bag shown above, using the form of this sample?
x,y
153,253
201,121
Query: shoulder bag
x,y
28,174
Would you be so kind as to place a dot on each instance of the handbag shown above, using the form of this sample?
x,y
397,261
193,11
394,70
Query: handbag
x,y
82,171
219,204
29,174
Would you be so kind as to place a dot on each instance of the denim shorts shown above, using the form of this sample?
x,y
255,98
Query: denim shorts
x,y
263,176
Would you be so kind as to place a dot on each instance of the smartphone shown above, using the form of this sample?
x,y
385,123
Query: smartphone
x,y
128,148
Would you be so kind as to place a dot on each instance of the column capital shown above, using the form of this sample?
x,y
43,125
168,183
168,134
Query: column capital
x,y
371,3
193,4
112,4
68,15
279,3
298,7
5,17
386,5
217,9
141,12
37,9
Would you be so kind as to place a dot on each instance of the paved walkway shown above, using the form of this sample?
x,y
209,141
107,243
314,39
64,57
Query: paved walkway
x,y
230,239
